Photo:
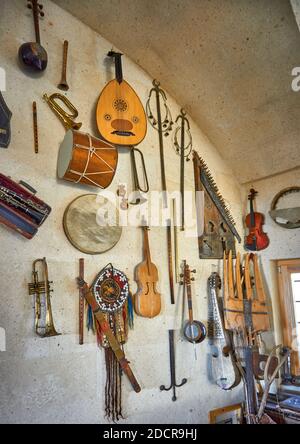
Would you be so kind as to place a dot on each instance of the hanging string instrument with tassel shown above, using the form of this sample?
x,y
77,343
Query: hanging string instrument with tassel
x,y
147,300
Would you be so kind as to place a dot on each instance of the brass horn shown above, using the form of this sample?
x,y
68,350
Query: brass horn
x,y
44,325
66,118
138,190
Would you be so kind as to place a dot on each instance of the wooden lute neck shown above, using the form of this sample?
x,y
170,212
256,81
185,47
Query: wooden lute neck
x,y
118,65
37,12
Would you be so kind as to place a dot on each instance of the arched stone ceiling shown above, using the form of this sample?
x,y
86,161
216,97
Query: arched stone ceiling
x,y
228,62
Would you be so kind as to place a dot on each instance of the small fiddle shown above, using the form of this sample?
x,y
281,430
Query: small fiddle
x,y
147,300
256,239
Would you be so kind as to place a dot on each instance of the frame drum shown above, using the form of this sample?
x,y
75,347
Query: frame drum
x,y
85,159
91,224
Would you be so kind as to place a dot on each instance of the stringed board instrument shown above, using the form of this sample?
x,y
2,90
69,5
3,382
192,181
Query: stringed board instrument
x,y
256,239
219,228
147,300
224,370
194,331
120,115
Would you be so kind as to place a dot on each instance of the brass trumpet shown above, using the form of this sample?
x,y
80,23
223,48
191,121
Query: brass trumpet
x,y
66,118
44,325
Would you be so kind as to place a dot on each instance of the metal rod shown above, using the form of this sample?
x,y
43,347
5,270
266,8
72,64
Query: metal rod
x,y
172,368
182,171
161,144
177,277
170,261
163,128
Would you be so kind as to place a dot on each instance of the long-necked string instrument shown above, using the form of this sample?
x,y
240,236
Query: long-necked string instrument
x,y
147,300
121,120
173,384
224,370
120,115
194,331
163,125
32,54
184,149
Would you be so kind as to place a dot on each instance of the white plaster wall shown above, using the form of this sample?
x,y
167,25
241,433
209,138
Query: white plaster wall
x,y
284,243
55,379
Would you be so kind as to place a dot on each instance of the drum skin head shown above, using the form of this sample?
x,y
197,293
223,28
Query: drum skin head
x,y
87,160
91,224
65,154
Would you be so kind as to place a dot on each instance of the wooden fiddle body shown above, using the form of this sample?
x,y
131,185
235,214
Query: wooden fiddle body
x,y
256,239
147,300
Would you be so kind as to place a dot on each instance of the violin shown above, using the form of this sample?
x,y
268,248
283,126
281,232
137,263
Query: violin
x,y
147,300
256,239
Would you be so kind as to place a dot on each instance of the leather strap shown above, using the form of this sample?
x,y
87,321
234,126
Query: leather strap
x,y
115,346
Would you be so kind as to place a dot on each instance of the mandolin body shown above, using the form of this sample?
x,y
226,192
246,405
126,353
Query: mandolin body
x,y
120,115
256,239
147,301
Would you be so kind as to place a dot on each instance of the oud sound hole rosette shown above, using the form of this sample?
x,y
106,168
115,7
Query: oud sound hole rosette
x,y
120,105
